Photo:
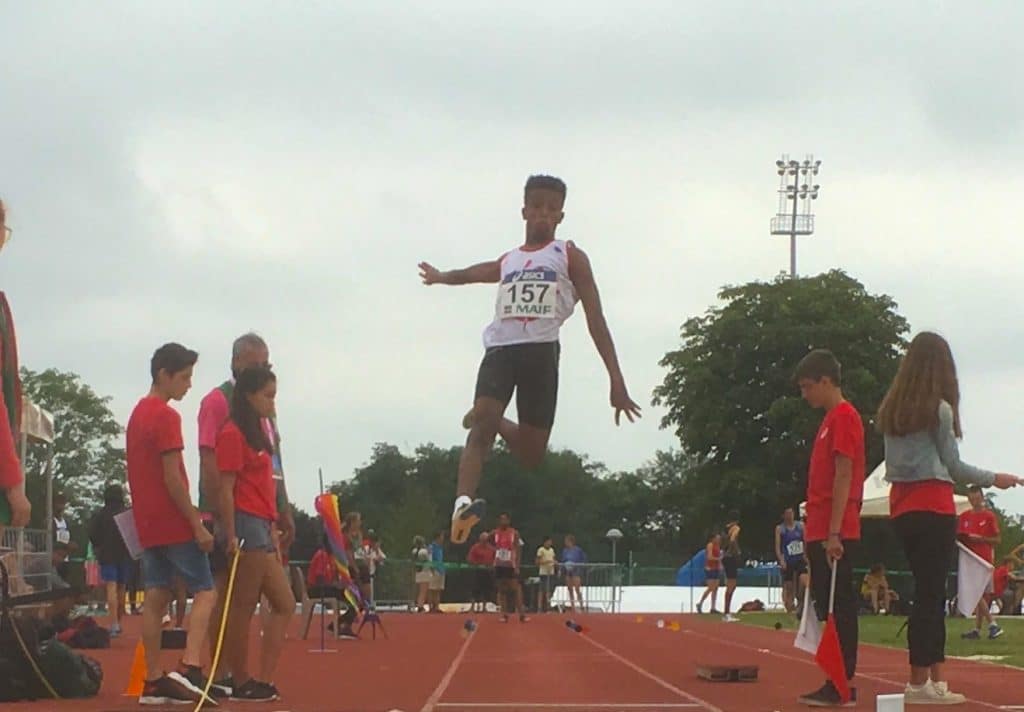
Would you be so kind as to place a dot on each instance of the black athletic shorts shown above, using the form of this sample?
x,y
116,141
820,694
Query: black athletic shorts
x,y
793,570
531,370
731,564
505,573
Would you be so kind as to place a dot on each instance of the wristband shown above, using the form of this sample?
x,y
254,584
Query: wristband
x,y
835,534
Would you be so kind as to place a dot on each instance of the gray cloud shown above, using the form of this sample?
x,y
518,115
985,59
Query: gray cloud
x,y
192,171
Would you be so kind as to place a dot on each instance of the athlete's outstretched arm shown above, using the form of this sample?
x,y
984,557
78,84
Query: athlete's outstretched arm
x,y
582,277
482,272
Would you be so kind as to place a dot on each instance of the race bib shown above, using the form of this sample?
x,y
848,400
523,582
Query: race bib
x,y
503,555
529,294
795,548
63,536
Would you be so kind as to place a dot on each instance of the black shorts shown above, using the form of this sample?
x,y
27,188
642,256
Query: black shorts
x,y
794,570
531,370
731,564
505,573
484,585
712,575
364,573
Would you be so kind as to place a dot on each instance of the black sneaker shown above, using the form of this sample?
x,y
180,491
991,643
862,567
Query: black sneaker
x,y
347,633
195,677
255,691
167,691
827,696
225,684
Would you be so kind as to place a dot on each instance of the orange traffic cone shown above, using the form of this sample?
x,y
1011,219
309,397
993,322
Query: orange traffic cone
x,y
137,676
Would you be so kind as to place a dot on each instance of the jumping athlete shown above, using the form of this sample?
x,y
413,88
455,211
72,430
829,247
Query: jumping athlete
x,y
541,281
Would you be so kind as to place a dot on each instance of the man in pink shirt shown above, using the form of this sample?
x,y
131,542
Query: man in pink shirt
x,y
248,351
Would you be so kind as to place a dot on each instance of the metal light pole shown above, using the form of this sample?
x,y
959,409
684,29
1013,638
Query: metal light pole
x,y
614,535
798,219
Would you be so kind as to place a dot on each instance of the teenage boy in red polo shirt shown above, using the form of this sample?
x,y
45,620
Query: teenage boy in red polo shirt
x,y
978,529
175,543
835,489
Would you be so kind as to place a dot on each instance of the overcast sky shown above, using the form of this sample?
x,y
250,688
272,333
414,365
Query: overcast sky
x,y
190,171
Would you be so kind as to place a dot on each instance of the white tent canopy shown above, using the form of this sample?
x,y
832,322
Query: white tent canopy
x,y
876,497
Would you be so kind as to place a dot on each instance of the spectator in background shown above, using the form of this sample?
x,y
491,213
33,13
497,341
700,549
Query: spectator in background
x,y
1008,587
322,582
133,585
978,530
436,571
875,588
111,553
789,551
481,555
62,536
421,559
374,556
95,592
712,571
546,570
731,562
573,558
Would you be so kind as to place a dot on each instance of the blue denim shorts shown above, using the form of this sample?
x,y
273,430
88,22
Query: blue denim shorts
x,y
186,561
253,532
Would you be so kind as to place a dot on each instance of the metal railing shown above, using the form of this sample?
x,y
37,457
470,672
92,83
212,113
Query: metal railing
x,y
27,554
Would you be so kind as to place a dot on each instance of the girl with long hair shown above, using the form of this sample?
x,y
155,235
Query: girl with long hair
x,y
920,419
248,511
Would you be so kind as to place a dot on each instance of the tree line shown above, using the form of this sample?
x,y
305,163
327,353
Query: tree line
x,y
744,436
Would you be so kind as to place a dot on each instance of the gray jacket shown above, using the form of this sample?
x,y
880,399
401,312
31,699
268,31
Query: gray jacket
x,y
931,455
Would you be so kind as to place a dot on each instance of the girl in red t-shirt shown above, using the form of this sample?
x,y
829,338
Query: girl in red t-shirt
x,y
712,571
920,420
247,512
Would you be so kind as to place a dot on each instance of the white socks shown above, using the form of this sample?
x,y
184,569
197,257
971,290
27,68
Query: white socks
x,y
460,501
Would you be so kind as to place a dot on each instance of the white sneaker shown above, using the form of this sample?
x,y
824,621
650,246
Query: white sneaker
x,y
465,518
729,618
932,693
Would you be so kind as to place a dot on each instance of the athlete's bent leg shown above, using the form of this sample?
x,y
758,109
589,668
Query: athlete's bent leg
x,y
486,419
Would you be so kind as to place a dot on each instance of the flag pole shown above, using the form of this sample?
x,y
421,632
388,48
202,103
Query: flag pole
x,y
323,608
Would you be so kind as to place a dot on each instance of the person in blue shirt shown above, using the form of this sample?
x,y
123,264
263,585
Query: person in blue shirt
x,y
789,551
436,549
572,558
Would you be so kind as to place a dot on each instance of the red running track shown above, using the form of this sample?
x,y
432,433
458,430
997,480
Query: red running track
x,y
617,665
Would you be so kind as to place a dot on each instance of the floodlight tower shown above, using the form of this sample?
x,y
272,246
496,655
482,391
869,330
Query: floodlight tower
x,y
798,219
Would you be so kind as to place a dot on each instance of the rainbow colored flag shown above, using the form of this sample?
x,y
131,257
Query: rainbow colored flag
x,y
329,511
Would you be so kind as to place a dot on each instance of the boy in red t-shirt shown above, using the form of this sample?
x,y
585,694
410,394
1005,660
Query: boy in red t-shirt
x,y
835,489
173,538
978,529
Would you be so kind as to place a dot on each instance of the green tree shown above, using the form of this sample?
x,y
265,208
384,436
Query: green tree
x,y
86,449
732,402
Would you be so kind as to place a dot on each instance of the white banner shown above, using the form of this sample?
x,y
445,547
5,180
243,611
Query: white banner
x,y
809,634
974,575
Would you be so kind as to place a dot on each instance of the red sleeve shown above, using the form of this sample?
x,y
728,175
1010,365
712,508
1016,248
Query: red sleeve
x,y
994,522
848,435
230,450
168,431
10,468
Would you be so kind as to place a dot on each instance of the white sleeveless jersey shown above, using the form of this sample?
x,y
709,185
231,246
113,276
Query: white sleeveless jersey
x,y
535,296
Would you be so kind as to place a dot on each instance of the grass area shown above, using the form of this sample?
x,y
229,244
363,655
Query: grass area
x,y
881,630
